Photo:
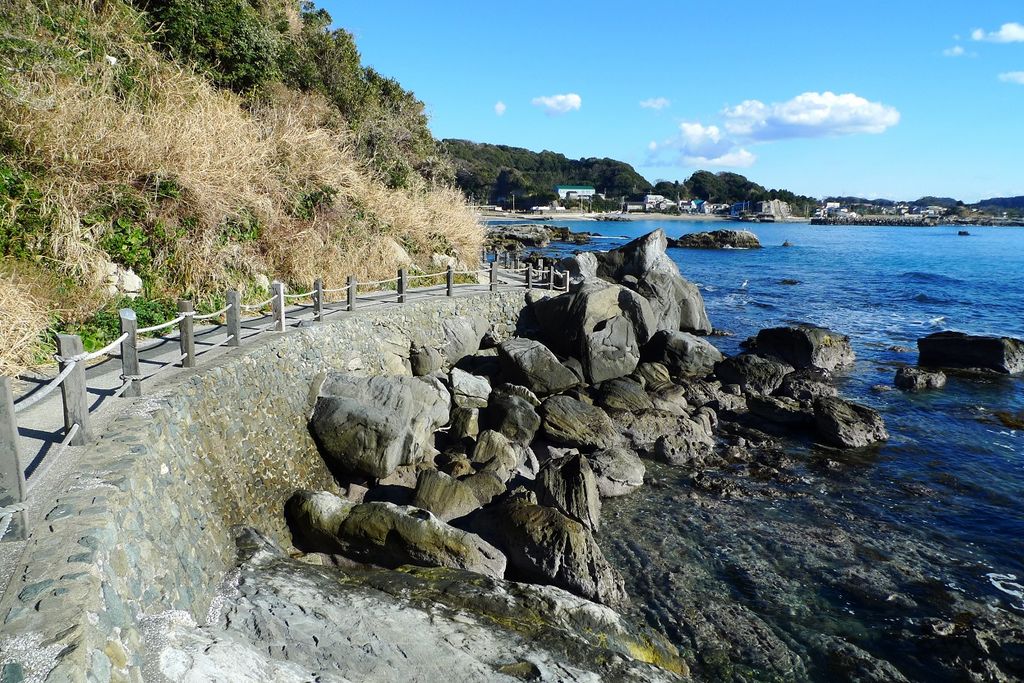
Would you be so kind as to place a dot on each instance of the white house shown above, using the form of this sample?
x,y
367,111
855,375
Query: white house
x,y
574,191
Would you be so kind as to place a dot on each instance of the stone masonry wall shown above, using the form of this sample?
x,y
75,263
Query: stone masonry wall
x,y
143,531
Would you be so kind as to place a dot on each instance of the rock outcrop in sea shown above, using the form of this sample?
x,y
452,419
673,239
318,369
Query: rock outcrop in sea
x,y
718,239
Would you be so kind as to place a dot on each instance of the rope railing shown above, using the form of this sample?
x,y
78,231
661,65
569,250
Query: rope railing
x,y
71,378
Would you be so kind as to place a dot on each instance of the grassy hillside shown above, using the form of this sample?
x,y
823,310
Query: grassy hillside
x,y
200,143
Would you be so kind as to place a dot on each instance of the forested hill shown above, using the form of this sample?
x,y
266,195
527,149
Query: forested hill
x,y
493,173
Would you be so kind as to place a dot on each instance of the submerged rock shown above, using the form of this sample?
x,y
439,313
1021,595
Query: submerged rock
x,y
914,379
718,239
848,425
371,425
386,534
958,350
806,346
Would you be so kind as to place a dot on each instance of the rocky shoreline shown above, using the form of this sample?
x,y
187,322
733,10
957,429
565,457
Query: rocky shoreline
x,y
484,482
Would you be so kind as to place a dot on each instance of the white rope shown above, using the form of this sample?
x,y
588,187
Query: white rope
x,y
339,289
161,326
378,282
300,296
123,388
413,277
84,357
472,272
207,316
258,306
46,390
52,457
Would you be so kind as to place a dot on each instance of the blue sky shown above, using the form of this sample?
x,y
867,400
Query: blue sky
x,y
890,99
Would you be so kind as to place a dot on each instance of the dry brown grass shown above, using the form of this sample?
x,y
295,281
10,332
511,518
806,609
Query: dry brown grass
x,y
231,163
24,319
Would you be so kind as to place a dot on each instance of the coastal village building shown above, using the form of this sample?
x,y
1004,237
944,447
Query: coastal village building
x,y
574,191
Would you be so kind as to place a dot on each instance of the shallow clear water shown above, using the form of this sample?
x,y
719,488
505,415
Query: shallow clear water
x,y
908,552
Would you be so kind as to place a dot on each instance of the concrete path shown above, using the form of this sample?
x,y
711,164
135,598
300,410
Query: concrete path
x,y
41,426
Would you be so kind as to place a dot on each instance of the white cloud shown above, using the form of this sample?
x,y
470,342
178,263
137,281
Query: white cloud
x,y
1012,77
1011,32
652,146
499,108
809,115
955,51
737,158
700,145
657,103
559,104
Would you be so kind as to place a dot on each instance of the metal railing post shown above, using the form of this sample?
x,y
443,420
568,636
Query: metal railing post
x,y
130,353
551,277
352,284
403,284
494,275
278,305
76,402
449,280
234,317
529,276
318,300
186,337
12,470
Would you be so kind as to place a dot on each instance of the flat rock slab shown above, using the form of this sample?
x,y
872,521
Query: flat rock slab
x,y
958,350
806,346
570,422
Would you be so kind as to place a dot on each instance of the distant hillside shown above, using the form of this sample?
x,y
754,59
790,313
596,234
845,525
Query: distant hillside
x,y
1012,203
495,173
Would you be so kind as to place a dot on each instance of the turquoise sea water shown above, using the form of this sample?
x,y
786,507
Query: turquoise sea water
x,y
935,517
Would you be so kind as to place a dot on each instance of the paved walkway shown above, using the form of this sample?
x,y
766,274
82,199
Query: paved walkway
x,y
41,426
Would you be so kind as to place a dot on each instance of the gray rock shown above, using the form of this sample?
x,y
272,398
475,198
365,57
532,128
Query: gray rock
x,y
671,399
496,454
386,534
465,423
848,425
688,444
425,360
806,385
469,391
371,425
520,391
569,486
718,239
683,354
486,486
579,266
610,351
915,379
530,363
754,373
544,546
570,422
462,337
446,497
526,234
654,375
618,470
806,346
781,411
958,350
623,394
513,416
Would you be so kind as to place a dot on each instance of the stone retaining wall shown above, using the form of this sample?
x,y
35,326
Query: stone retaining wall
x,y
142,533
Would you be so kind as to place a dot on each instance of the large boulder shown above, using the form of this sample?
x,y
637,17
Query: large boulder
x,y
447,497
579,266
546,547
671,438
718,239
518,235
623,394
806,346
569,486
753,373
916,379
512,415
386,534
462,336
495,453
959,350
618,470
845,424
601,324
571,422
684,354
469,391
781,411
807,385
370,425
530,363
676,302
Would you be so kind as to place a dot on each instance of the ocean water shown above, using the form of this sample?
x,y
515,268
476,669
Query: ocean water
x,y
907,559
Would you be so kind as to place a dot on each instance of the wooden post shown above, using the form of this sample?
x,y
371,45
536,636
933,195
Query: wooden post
x,y
12,470
403,284
529,276
449,280
278,305
76,402
186,338
494,276
234,317
551,277
130,353
351,293
318,300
